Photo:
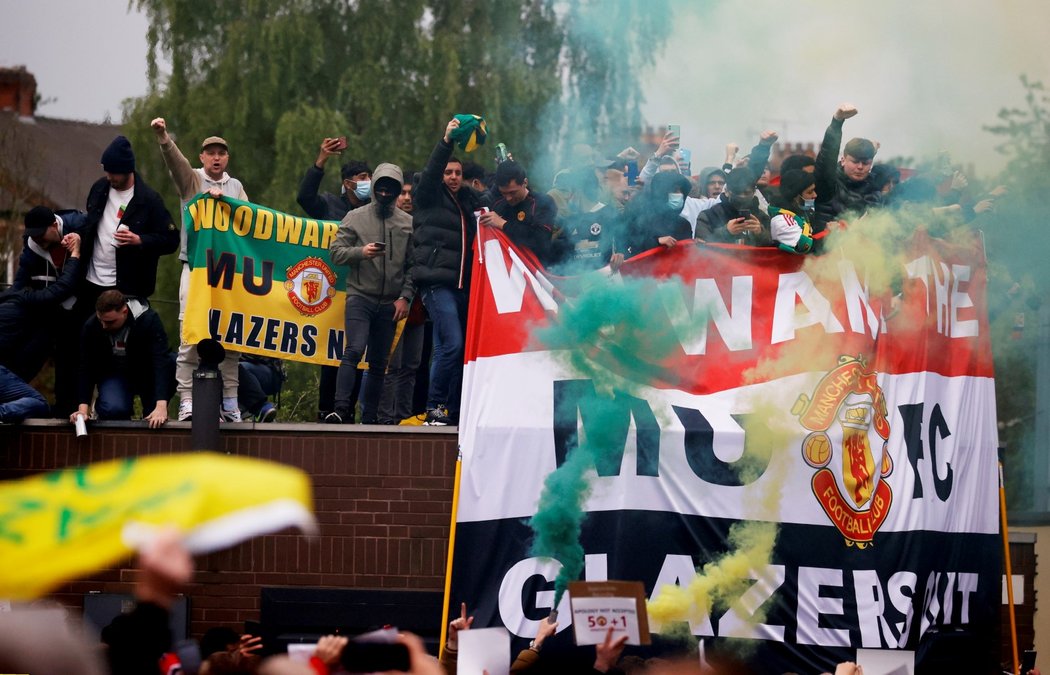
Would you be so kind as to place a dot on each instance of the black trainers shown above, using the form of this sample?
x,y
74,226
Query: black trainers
x,y
333,418
436,417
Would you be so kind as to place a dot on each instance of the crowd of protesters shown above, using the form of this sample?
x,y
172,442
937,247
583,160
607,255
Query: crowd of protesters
x,y
140,642
84,280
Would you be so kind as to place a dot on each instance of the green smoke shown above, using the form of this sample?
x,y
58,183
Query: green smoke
x,y
610,334
556,525
614,333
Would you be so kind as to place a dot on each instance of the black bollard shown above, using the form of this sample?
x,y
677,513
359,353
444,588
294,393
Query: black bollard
x,y
207,396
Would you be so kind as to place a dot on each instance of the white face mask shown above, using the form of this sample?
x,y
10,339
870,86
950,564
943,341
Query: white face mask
x,y
363,190
676,200
808,204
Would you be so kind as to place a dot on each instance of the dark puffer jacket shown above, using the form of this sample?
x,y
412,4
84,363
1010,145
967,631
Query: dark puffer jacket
x,y
836,193
444,226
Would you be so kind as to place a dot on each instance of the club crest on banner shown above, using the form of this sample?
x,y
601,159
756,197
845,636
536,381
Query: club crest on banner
x,y
311,286
850,396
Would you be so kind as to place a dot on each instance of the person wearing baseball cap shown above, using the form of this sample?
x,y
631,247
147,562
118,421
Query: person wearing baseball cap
x,y
212,178
46,270
844,184
38,221
43,255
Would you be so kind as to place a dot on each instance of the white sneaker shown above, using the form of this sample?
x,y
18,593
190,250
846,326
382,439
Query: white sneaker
x,y
231,414
185,410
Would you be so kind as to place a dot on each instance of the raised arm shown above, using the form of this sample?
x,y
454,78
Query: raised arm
x,y
827,157
311,182
178,166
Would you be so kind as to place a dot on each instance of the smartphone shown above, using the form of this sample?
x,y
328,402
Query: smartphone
x,y
340,144
743,213
381,245
675,130
375,657
502,154
632,172
687,160
1028,661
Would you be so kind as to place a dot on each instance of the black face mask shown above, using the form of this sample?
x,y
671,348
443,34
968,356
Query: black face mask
x,y
385,194
385,207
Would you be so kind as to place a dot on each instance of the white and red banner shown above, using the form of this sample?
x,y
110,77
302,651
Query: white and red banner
x,y
870,417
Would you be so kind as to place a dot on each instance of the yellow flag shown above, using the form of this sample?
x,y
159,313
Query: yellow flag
x,y
61,525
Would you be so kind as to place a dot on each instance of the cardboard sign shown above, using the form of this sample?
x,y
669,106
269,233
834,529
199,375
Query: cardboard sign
x,y
598,606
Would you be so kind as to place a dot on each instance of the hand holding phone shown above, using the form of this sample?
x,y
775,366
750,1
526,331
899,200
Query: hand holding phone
x,y
339,145
373,249
1028,661
670,142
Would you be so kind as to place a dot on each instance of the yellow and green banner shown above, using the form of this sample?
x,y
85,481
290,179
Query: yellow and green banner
x,y
60,525
261,281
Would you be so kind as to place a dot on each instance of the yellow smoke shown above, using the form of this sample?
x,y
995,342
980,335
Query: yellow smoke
x,y
720,582
874,245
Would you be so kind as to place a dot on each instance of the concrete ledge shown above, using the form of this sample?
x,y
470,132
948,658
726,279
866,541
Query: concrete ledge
x,y
243,427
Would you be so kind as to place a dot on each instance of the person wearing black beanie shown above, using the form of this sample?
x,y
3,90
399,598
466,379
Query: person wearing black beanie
x,y
794,185
118,157
127,229
789,214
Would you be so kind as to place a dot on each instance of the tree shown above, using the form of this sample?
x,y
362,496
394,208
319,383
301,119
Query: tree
x,y
1018,282
393,73
274,77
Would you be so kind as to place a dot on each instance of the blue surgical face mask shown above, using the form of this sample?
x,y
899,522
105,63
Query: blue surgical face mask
x,y
808,204
676,200
363,190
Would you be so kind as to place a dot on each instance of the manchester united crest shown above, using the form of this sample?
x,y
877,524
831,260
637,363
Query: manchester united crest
x,y
847,414
310,284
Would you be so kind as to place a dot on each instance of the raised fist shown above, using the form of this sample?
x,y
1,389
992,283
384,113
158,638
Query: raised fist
x,y
452,125
845,111
160,128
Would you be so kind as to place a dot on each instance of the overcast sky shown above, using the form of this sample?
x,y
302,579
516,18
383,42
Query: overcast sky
x,y
925,74
87,55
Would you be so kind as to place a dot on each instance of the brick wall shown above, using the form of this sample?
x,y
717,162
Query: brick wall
x,y
18,91
1023,565
382,496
